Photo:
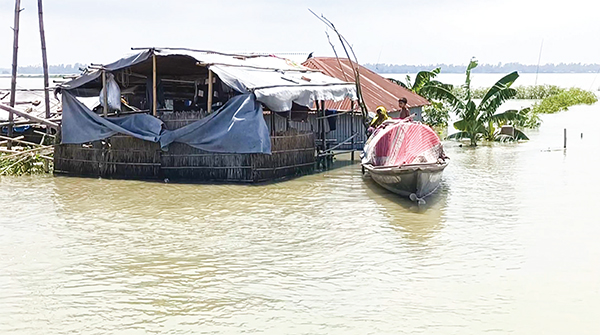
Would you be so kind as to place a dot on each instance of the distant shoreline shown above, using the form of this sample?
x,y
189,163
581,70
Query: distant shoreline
x,y
487,68
60,75
74,69
39,75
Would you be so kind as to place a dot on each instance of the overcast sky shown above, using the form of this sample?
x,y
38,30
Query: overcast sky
x,y
394,32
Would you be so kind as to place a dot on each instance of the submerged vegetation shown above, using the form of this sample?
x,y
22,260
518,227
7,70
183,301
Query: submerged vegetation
x,y
557,95
26,157
533,92
563,100
21,164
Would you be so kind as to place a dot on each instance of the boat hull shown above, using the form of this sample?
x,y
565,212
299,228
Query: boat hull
x,y
418,179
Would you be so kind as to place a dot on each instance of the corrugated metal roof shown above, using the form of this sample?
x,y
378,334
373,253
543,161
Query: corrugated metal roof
x,y
376,90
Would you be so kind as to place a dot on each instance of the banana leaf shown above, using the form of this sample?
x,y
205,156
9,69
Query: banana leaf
x,y
499,93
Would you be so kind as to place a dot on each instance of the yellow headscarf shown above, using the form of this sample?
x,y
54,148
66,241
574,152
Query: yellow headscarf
x,y
380,117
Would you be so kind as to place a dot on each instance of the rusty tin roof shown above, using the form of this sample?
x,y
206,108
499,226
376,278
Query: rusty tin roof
x,y
376,90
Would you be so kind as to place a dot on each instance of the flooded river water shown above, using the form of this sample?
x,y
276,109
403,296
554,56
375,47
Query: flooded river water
x,y
509,244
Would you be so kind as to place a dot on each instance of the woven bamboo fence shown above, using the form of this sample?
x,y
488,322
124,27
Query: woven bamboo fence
x,y
129,158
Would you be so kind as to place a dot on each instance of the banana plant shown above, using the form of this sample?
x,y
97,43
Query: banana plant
x,y
479,121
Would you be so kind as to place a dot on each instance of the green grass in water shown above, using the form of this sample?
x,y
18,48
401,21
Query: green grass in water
x,y
563,100
553,98
21,165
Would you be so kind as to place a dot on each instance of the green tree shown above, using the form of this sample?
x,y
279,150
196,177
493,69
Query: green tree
x,y
480,121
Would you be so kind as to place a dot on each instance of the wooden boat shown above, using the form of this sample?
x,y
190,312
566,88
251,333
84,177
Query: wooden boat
x,y
406,158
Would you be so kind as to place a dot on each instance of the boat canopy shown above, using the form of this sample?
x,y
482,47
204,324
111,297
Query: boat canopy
x,y
401,142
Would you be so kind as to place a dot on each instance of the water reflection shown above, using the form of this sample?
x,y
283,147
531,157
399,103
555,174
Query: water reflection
x,y
414,222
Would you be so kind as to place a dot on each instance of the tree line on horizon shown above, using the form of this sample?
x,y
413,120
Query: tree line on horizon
x,y
52,69
379,68
487,68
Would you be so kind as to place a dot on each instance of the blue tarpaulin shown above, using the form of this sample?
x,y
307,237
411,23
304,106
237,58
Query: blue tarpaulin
x,y
237,127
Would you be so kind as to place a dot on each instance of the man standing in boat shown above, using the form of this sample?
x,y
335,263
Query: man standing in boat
x,y
404,111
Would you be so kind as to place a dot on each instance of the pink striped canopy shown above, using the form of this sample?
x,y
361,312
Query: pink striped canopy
x,y
399,142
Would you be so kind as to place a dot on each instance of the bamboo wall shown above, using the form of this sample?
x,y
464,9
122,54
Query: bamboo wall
x,y
130,158
117,157
344,128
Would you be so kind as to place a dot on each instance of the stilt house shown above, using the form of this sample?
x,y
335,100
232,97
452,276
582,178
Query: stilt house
x,y
192,115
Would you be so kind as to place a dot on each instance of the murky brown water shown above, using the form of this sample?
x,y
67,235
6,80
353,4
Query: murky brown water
x,y
509,244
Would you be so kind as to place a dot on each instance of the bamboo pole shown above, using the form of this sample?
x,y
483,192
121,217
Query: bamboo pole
x,y
44,134
29,116
344,42
154,99
29,151
323,133
45,66
26,123
210,92
13,83
44,58
352,129
105,94
20,141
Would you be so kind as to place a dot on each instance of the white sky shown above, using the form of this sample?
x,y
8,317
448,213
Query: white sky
x,y
397,32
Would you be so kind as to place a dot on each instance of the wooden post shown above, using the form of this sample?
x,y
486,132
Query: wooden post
x,y
13,83
45,67
105,94
565,138
272,123
320,160
209,98
352,129
44,59
154,98
323,134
